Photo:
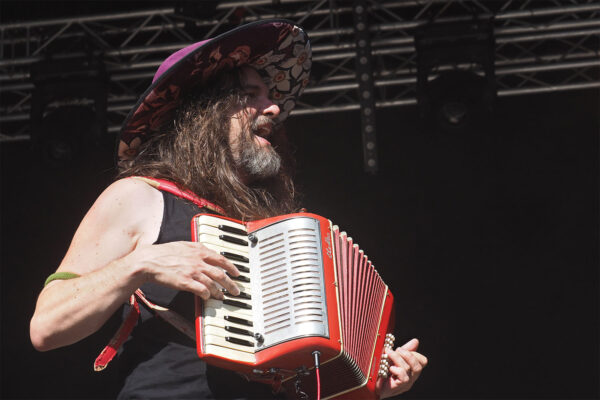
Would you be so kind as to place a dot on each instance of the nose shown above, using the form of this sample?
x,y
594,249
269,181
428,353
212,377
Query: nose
x,y
271,110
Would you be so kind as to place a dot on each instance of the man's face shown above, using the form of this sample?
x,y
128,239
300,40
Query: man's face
x,y
250,128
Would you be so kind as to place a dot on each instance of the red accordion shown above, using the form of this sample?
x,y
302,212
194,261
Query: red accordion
x,y
305,288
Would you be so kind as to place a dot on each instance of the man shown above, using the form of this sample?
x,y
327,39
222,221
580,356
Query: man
x,y
210,123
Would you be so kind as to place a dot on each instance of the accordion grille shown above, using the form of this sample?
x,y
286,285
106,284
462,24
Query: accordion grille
x,y
292,297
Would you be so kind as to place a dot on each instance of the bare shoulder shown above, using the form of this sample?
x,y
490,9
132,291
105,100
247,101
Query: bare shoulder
x,y
127,214
129,193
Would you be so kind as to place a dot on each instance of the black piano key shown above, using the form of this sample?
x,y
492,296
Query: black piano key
x,y
235,257
242,295
231,239
241,268
231,229
237,320
239,341
236,303
240,331
240,278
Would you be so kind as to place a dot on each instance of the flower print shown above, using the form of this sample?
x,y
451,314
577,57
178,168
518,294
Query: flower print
x,y
213,63
215,56
129,151
275,95
162,97
159,102
198,67
286,42
283,34
300,62
271,71
281,83
240,55
288,105
293,36
267,59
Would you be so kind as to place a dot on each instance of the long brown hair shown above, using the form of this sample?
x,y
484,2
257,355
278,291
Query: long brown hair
x,y
194,153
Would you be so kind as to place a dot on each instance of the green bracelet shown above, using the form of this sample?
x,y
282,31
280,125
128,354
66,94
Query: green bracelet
x,y
60,276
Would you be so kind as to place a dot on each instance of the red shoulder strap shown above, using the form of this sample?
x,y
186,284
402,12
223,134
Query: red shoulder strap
x,y
186,327
164,185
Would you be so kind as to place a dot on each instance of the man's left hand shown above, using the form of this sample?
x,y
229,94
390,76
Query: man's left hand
x,y
405,367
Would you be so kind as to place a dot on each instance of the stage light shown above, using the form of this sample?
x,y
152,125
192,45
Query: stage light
x,y
68,112
457,99
455,73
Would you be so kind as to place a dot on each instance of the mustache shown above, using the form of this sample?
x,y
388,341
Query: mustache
x,y
263,121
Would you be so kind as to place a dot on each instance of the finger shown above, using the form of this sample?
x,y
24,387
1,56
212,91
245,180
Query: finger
x,y
218,260
218,275
411,345
213,288
397,360
411,360
197,288
422,359
399,375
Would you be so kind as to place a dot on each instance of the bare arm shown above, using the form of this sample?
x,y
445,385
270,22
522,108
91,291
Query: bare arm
x,y
112,251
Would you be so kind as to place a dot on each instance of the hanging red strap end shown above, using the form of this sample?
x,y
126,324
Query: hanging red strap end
x,y
109,352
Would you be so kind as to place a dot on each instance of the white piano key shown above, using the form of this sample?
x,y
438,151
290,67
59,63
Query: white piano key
x,y
214,231
210,240
220,341
215,221
219,314
221,321
212,304
219,331
229,353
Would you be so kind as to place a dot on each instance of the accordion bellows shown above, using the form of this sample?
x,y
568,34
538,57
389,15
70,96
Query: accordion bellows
x,y
305,287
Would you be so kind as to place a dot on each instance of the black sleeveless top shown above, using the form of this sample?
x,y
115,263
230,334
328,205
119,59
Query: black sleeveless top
x,y
158,361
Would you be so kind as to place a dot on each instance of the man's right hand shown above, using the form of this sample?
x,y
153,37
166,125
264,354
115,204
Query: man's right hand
x,y
187,266
114,254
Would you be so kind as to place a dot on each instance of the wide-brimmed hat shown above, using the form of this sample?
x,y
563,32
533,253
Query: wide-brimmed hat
x,y
276,48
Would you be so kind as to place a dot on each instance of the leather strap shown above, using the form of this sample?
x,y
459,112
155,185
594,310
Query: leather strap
x,y
183,325
109,352
170,187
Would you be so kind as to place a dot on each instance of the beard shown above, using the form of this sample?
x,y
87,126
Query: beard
x,y
255,161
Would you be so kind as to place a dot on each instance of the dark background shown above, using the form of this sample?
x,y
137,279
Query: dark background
x,y
488,239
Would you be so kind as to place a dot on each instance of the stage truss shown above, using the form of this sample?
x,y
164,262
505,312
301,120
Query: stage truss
x,y
541,46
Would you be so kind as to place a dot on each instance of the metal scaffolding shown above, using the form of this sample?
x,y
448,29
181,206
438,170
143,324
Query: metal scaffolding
x,y
540,46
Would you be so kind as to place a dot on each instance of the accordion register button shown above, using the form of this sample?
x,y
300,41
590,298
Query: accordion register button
x,y
252,238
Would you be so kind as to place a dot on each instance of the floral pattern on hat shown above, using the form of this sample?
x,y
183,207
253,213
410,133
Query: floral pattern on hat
x,y
277,49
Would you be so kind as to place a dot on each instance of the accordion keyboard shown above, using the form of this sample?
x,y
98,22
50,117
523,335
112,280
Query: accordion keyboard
x,y
282,289
228,323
